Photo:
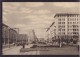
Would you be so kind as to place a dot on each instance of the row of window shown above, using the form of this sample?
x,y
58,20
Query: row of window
x,y
76,33
69,19
63,26
61,29
73,22
61,22
61,33
73,19
68,33
68,29
61,19
73,29
68,22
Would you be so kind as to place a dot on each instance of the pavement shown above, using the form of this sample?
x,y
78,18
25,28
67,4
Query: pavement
x,y
15,50
11,51
67,50
61,51
30,53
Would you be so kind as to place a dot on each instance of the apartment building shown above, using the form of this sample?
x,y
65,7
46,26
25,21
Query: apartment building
x,y
66,26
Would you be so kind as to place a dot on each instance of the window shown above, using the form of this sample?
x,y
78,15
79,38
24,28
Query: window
x,y
63,19
59,22
77,22
68,22
63,29
74,29
59,29
59,19
63,32
68,29
63,22
77,29
73,22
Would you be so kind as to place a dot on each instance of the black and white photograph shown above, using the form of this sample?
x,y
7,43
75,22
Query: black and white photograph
x,y
40,28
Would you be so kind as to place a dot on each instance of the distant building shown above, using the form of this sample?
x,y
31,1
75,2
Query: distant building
x,y
23,38
5,34
13,35
66,26
9,36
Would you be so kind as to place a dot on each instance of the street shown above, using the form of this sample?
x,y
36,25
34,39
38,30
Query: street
x,y
67,50
12,51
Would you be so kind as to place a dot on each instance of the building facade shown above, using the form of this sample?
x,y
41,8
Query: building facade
x,y
5,34
9,36
13,35
23,38
66,26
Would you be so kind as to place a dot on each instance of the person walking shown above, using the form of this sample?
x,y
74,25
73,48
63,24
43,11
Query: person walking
x,y
23,45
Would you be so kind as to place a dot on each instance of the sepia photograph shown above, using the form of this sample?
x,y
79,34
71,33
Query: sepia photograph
x,y
40,28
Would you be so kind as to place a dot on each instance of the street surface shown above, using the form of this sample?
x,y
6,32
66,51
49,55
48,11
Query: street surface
x,y
67,50
12,50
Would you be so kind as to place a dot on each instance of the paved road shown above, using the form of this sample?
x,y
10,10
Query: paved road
x,y
30,53
51,51
60,51
12,51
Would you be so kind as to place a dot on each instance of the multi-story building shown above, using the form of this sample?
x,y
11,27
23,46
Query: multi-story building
x,y
5,34
66,26
13,35
9,36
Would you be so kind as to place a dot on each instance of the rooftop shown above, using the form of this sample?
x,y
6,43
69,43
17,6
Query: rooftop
x,y
65,14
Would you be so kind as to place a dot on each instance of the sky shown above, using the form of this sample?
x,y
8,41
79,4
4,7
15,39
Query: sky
x,y
35,15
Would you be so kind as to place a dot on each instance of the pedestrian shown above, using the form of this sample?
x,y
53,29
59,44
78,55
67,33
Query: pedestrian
x,y
23,45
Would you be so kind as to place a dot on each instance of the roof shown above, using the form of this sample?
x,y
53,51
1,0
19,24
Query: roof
x,y
13,30
65,14
5,25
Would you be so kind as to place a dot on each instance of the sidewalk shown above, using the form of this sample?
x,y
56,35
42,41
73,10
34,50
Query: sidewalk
x,y
4,49
12,51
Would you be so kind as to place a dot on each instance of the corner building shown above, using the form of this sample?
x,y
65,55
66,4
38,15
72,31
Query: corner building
x,y
67,26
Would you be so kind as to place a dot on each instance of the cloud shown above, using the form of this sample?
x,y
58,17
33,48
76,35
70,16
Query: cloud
x,y
41,12
4,20
20,25
33,4
34,15
66,4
